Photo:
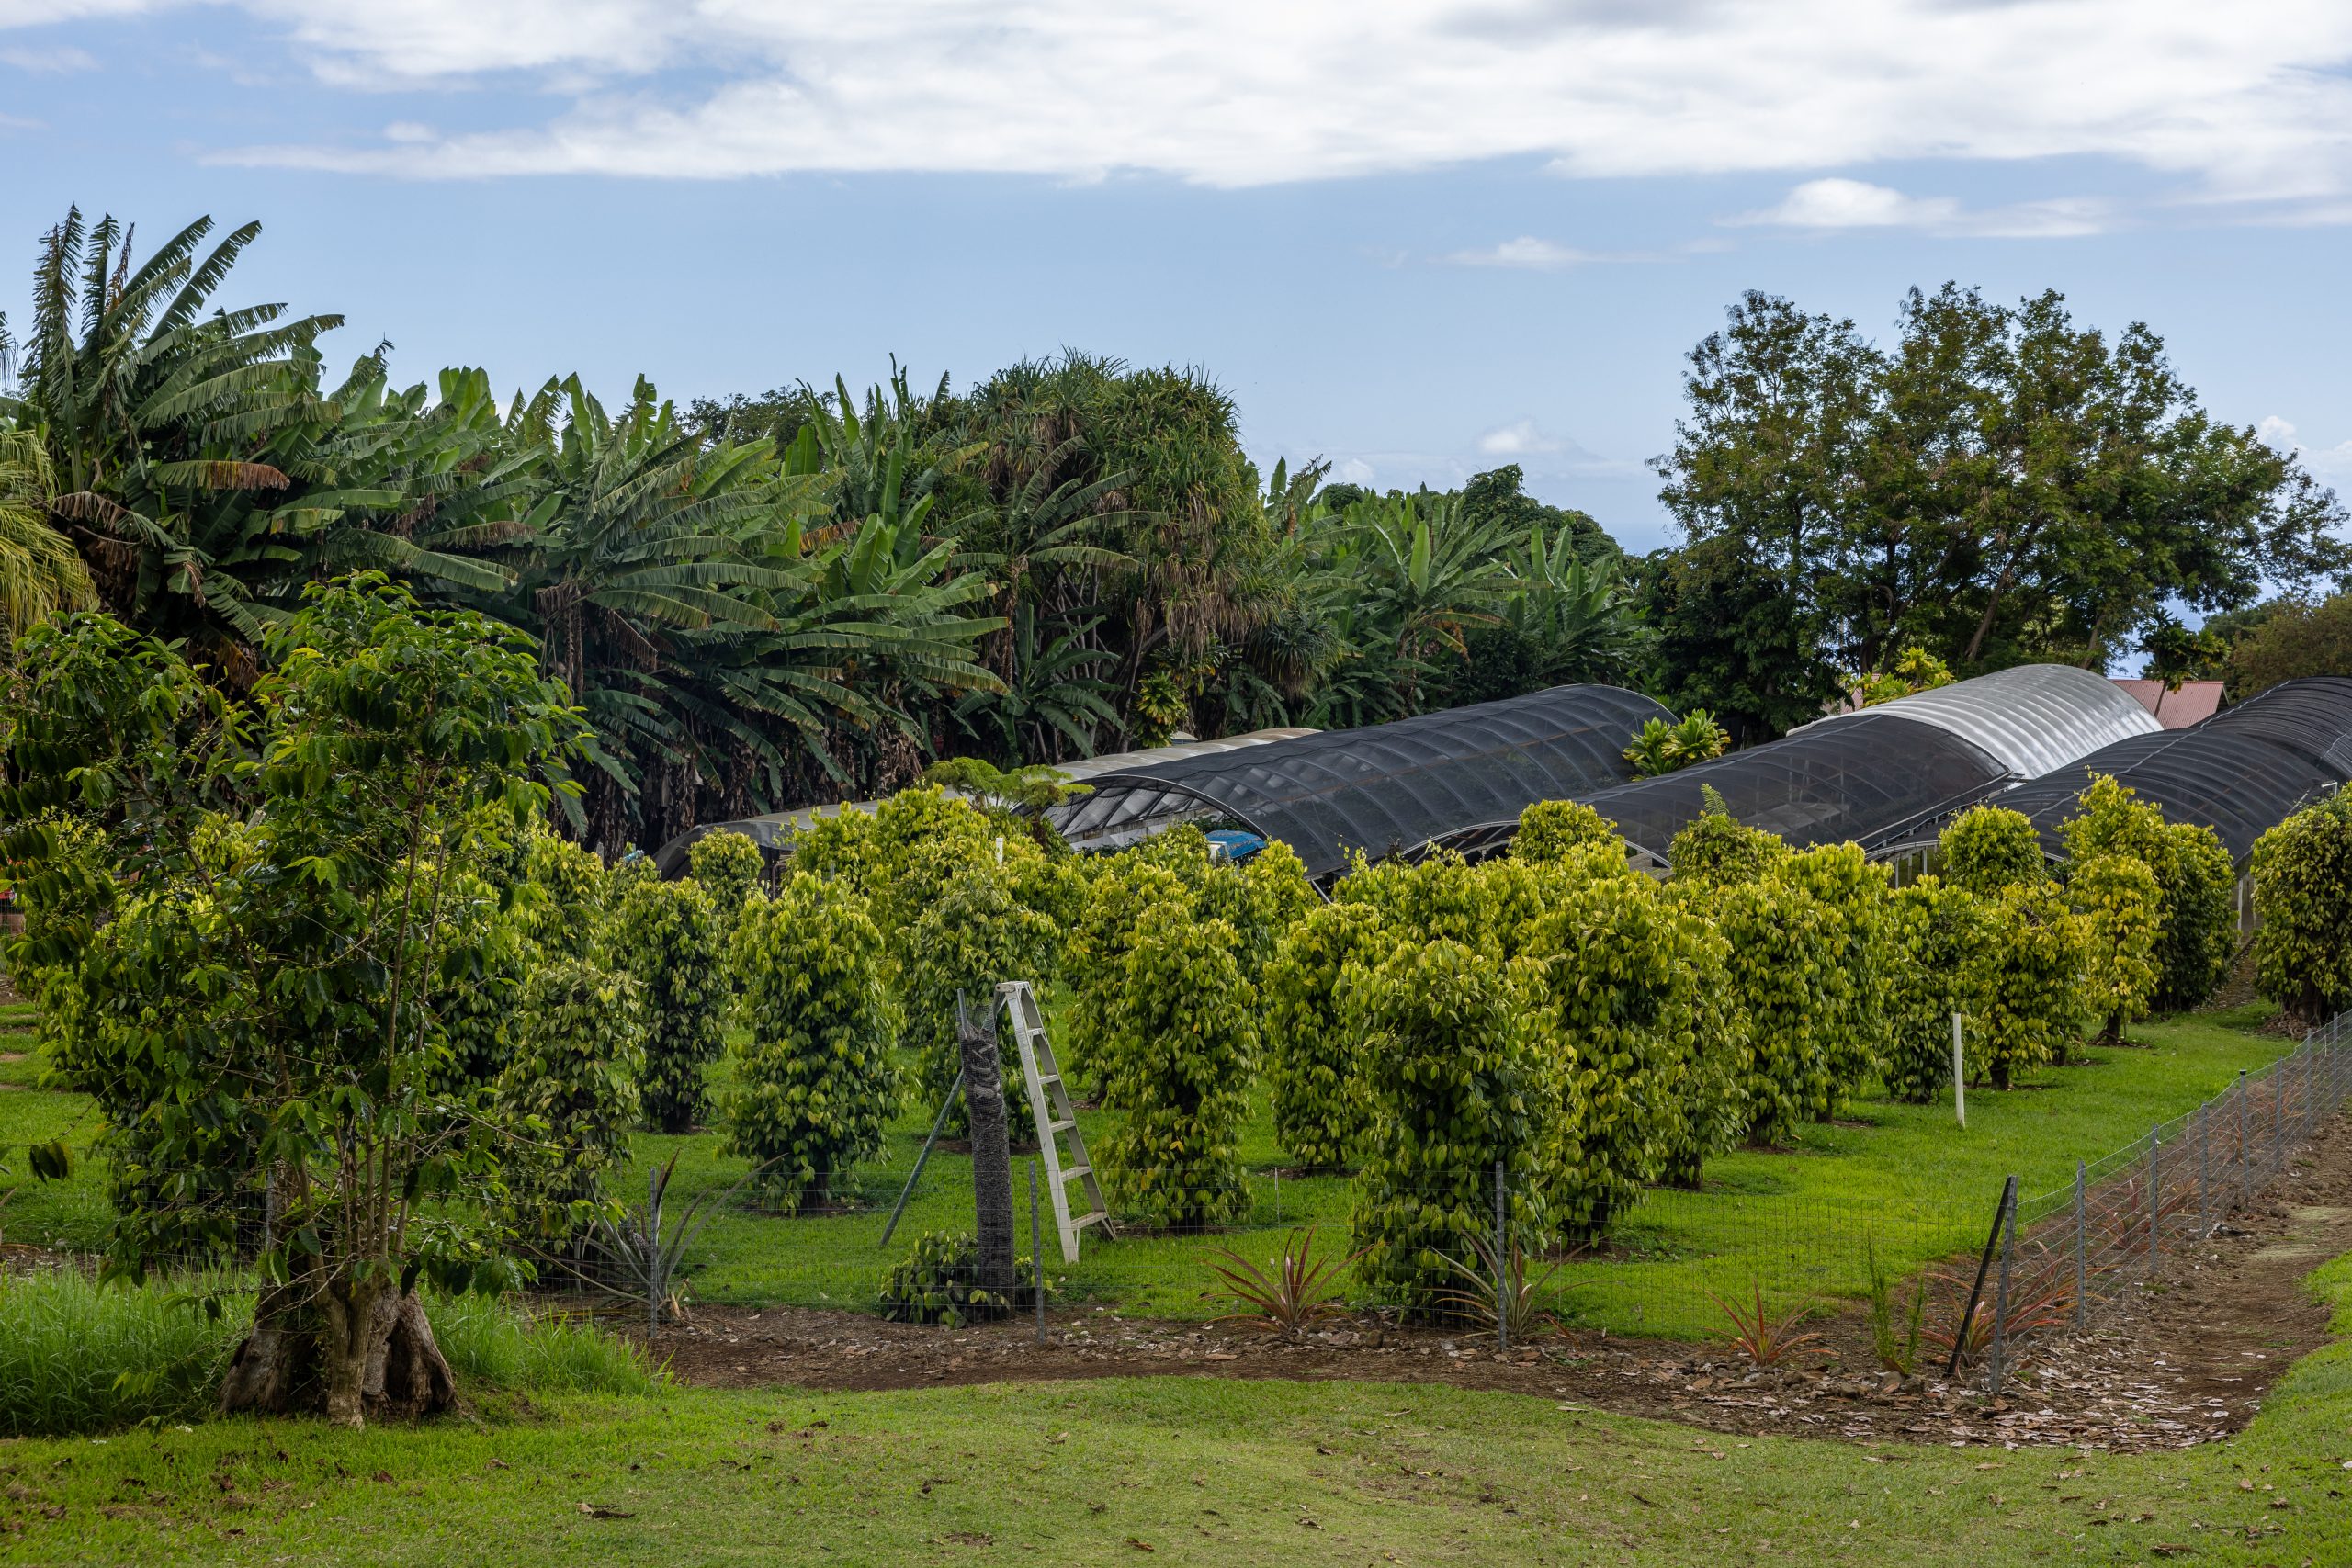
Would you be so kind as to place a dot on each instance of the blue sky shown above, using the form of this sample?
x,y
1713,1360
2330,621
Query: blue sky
x,y
1419,240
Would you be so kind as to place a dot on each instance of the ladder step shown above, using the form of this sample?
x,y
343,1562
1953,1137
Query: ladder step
x,y
1049,1078
1097,1218
1061,1126
1072,1172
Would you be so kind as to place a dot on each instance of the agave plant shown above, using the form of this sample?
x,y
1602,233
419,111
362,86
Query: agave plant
x,y
1291,1294
644,1248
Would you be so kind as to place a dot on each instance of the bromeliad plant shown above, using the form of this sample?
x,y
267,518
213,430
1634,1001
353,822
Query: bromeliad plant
x,y
1291,1295
1502,1294
1895,1330
1764,1339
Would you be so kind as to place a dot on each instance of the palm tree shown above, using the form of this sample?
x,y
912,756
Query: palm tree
x,y
40,572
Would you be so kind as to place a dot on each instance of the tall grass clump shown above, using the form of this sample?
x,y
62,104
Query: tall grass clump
x,y
79,1357
490,1342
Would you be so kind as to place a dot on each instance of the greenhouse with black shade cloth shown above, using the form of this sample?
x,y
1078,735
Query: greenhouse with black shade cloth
x,y
1385,789
2240,773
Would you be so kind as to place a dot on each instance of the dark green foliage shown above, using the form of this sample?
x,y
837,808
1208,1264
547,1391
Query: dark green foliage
x,y
671,937
489,959
262,1014
1314,1063
1989,848
939,1283
1175,1062
1460,1087
813,1088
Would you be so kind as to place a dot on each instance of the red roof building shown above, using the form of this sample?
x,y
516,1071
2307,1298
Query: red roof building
x,y
2193,703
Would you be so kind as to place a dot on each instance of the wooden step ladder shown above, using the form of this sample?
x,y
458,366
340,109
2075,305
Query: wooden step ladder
x,y
1056,1118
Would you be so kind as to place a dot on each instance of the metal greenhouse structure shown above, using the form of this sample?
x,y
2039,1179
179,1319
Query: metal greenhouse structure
x,y
2240,773
1385,789
1877,776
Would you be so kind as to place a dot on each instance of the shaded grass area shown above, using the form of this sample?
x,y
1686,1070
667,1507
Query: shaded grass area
x,y
1191,1471
77,1357
1799,1222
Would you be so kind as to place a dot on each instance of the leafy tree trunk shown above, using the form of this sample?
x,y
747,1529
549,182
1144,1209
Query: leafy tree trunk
x,y
357,1353
991,1164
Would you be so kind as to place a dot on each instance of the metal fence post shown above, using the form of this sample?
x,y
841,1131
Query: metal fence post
x,y
2082,1301
1036,1252
1503,1265
2244,1159
2310,1088
2155,1199
2205,1169
2000,1358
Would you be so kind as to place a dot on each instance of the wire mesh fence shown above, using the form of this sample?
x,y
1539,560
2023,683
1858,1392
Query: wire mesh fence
x,y
870,1240
2070,1256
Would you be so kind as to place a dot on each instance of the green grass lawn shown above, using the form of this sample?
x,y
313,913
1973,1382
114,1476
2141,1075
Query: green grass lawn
x,y
1172,1469
1897,1177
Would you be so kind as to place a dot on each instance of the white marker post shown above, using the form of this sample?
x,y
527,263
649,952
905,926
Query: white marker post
x,y
1959,1077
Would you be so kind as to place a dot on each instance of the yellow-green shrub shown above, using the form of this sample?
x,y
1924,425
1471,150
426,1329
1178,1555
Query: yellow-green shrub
x,y
1314,1063
725,866
2034,1002
974,935
1855,1036
1717,848
561,900
2200,923
1638,1089
670,936
1941,936
1989,848
1551,830
2115,898
1457,1088
2302,893
1782,966
1176,1065
813,1088
579,1056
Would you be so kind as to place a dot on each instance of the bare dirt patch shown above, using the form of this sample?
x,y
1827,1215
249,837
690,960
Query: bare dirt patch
x,y
2186,1360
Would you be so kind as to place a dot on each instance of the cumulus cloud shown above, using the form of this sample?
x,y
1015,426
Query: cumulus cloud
x,y
2328,462
1857,204
1535,255
1518,440
60,58
1240,93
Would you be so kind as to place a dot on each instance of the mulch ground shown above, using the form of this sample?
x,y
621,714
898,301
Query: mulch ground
x,y
2174,1364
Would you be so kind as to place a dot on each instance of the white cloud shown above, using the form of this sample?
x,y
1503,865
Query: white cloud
x,y
62,58
1239,92
1536,256
2327,462
1857,204
1520,440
